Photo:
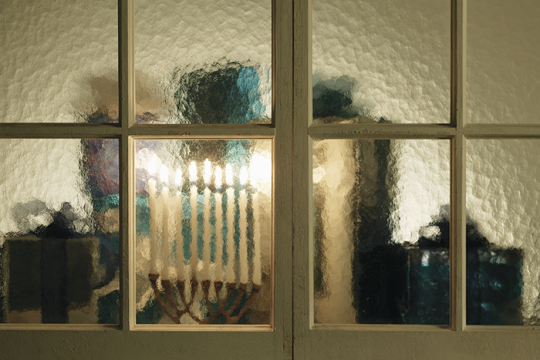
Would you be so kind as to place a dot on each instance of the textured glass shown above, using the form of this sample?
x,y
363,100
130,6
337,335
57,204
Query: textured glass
x,y
503,228
381,231
381,61
503,53
59,61
203,62
203,225
59,243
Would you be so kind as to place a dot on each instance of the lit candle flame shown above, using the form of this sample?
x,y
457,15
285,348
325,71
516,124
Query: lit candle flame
x,y
228,175
178,178
218,177
193,171
152,167
243,176
207,171
260,169
164,174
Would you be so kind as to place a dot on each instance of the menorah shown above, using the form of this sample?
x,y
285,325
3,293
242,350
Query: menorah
x,y
175,312
232,298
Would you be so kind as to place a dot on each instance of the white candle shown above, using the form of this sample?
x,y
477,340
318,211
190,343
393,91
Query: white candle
x,y
243,228
193,201
164,175
256,240
218,275
260,173
206,233
179,237
230,223
152,168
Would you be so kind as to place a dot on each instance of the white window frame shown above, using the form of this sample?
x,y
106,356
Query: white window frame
x,y
293,238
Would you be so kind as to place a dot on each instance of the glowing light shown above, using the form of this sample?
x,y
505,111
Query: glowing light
x,y
260,169
228,175
218,177
164,174
243,176
193,171
178,178
152,166
207,171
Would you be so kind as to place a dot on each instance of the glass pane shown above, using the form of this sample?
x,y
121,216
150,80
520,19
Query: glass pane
x,y
381,231
204,215
59,61
503,53
381,61
59,242
503,203
203,62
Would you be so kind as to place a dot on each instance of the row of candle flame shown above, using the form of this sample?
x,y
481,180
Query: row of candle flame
x,y
176,207
259,172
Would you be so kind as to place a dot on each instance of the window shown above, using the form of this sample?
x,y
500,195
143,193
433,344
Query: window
x,y
299,326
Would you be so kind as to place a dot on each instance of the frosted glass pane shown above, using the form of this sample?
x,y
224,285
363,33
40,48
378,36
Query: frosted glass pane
x,y
503,53
381,231
204,210
59,242
203,61
59,61
385,60
503,228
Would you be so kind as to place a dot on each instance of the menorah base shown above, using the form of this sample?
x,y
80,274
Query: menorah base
x,y
175,311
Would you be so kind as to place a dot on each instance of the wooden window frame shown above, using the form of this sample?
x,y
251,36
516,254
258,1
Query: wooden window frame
x,y
292,132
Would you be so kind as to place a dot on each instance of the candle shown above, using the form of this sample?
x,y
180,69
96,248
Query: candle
x,y
218,274
193,202
152,168
164,175
243,228
260,173
256,238
206,231
230,223
179,237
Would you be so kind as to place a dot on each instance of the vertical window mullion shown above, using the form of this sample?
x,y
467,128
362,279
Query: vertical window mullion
x,y
458,90
127,110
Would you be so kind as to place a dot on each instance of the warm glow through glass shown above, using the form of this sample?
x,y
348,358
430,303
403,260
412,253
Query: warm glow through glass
x,y
260,170
243,176
193,171
218,177
207,171
228,175
152,167
164,174
178,178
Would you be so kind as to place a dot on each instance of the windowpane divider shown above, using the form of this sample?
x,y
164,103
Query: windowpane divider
x,y
381,131
56,131
457,164
126,70
202,130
